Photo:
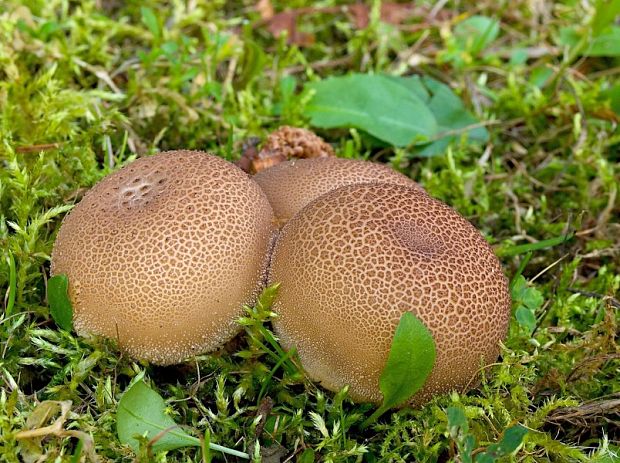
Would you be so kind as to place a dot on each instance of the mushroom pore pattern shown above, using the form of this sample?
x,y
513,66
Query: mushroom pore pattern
x,y
291,185
354,260
162,255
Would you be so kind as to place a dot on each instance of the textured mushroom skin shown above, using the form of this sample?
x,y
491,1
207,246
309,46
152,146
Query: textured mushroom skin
x,y
291,185
354,260
162,254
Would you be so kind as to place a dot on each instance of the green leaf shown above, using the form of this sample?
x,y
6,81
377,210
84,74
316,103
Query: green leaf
x,y
526,318
466,448
373,103
518,274
141,412
458,427
518,57
476,33
606,13
268,296
513,437
528,300
251,65
613,95
529,296
150,20
77,453
568,37
286,101
540,76
532,299
449,111
606,43
512,250
58,299
484,458
410,361
12,285
307,456
457,422
170,49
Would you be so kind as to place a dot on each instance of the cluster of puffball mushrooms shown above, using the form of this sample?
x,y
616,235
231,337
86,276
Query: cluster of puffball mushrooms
x,y
163,254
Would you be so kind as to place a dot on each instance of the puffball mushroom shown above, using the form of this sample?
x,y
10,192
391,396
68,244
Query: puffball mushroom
x,y
354,260
162,254
291,185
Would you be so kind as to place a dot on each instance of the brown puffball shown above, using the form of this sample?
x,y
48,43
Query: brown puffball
x,y
291,185
162,254
354,260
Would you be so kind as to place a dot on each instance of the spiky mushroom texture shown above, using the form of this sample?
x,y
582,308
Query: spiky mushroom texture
x,y
291,185
162,254
354,260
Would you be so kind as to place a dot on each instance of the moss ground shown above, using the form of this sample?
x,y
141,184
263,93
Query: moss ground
x,y
86,86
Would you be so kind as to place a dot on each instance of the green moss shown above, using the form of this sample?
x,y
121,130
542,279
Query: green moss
x,y
87,86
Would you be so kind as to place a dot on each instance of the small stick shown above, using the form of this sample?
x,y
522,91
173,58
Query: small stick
x,y
35,148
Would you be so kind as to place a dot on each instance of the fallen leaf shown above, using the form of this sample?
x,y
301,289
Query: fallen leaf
x,y
264,410
398,13
37,428
359,14
265,9
391,13
287,21
249,152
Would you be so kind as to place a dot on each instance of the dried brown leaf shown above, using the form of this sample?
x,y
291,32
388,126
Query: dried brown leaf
x,y
55,413
391,13
265,9
287,21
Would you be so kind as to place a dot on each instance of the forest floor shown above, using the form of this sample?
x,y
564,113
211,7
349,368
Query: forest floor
x,y
86,86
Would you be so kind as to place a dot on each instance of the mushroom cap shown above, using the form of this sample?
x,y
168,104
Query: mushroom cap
x,y
354,260
291,185
162,254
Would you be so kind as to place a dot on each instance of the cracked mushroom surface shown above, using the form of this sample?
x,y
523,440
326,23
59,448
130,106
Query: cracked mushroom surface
x,y
355,259
162,254
291,185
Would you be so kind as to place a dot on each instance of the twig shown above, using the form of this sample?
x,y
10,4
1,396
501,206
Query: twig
x,y
436,9
588,410
325,64
597,358
37,148
549,267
